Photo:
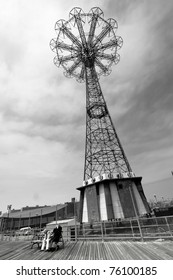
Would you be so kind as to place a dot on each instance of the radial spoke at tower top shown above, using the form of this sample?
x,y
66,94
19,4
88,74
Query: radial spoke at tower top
x,y
76,18
61,27
94,20
109,27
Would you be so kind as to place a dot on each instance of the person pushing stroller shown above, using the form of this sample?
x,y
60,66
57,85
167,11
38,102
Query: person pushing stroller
x,y
57,234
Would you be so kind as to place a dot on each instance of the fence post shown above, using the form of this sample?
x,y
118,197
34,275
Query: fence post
x,y
168,226
132,227
75,229
83,227
104,228
140,229
102,231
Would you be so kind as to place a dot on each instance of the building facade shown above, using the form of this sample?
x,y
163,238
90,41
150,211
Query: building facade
x,y
38,217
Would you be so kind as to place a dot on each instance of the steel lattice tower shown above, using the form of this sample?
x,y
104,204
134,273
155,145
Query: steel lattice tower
x,y
90,55
86,47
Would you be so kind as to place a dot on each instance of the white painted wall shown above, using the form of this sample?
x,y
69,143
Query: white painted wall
x,y
85,210
102,202
117,208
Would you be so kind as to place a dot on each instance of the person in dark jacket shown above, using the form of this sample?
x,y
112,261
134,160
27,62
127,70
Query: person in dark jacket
x,y
57,233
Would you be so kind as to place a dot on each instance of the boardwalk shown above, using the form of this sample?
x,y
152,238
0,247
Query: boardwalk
x,y
90,250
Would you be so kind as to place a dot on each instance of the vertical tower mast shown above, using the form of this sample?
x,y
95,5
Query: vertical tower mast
x,y
86,47
104,152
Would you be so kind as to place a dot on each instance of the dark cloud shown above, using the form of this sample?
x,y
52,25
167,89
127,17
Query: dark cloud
x,y
150,116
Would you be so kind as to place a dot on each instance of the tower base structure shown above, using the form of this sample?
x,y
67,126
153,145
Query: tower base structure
x,y
111,199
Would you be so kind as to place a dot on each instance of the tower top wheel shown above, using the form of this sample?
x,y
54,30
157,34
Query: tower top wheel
x,y
86,40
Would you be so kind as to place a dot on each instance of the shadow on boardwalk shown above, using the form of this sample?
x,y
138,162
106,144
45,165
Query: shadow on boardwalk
x,y
90,250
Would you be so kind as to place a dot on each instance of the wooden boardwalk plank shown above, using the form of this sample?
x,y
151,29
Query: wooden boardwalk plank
x,y
166,247
131,250
137,253
89,250
118,251
149,251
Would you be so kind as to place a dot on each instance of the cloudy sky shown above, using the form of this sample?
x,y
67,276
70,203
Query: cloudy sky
x,y
42,113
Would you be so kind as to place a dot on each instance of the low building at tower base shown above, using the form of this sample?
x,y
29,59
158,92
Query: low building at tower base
x,y
111,199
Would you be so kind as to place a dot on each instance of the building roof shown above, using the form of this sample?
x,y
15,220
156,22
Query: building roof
x,y
35,212
67,222
110,180
61,222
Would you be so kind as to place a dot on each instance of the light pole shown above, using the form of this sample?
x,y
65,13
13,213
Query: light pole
x,y
56,214
41,220
29,220
36,219
155,198
8,213
19,221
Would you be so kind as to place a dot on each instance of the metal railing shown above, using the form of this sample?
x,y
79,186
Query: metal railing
x,y
127,229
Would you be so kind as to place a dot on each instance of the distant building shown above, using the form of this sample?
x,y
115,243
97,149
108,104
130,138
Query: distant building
x,y
163,211
38,216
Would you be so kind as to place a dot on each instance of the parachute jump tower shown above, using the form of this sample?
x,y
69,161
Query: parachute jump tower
x,y
86,47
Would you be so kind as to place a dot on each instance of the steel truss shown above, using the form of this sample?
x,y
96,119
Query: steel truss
x,y
86,47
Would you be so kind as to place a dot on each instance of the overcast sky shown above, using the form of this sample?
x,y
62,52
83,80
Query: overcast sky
x,y
42,113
